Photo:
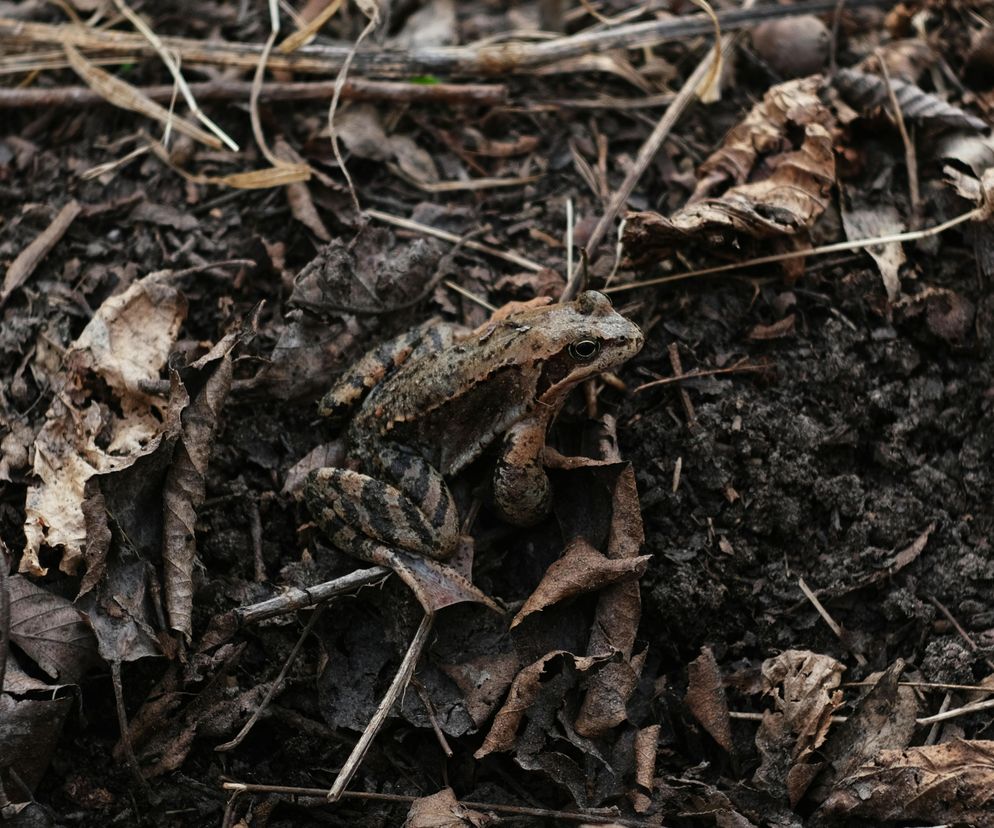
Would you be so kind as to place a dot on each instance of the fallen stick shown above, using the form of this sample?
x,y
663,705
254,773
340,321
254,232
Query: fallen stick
x,y
483,59
355,90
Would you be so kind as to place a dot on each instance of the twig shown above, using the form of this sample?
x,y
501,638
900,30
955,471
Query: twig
x,y
296,598
4,615
965,710
738,368
910,156
274,687
491,60
655,140
936,729
31,256
483,303
122,723
758,717
677,365
832,623
404,673
428,230
356,89
443,743
517,810
856,244
258,75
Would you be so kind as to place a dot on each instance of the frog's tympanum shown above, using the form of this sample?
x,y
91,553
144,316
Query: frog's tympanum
x,y
431,401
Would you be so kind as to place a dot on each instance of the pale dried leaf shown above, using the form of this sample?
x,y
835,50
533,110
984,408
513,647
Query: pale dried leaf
x,y
871,222
125,345
442,810
804,689
779,187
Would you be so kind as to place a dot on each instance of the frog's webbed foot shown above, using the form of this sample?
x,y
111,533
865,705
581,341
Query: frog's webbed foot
x,y
349,506
434,584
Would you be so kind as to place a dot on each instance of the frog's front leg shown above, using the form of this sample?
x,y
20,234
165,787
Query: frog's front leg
x,y
415,511
522,492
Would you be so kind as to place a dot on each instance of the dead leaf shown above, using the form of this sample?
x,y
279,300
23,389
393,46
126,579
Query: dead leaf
x,y
581,569
125,346
706,698
804,689
49,629
442,810
29,731
483,681
780,164
884,719
185,485
879,220
646,746
935,784
525,691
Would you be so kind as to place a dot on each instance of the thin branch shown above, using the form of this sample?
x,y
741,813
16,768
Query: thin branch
x,y
404,673
516,810
910,156
493,59
428,230
977,213
356,89
832,623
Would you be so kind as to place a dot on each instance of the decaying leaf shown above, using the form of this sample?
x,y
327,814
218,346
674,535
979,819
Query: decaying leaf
x,y
185,485
935,784
49,629
706,698
442,810
778,165
29,730
125,346
804,689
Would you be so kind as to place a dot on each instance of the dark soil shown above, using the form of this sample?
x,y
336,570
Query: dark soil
x,y
867,426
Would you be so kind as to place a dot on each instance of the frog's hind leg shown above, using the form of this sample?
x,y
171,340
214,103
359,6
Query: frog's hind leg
x,y
375,510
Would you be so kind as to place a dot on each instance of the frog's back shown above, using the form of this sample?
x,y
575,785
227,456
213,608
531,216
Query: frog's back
x,y
450,405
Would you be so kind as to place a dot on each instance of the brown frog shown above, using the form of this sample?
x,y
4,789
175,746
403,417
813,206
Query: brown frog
x,y
431,401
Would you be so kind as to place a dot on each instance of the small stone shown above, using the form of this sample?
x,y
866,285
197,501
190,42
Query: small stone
x,y
794,46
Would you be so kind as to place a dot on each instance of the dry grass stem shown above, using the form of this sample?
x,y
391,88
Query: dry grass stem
x,y
310,29
977,213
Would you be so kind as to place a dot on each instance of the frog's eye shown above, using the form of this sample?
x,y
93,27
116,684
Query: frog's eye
x,y
584,350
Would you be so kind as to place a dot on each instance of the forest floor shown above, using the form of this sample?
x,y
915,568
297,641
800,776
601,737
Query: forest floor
x,y
807,444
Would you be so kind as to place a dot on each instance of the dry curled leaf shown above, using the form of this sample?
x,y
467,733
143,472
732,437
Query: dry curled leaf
x,y
706,698
185,485
874,221
29,731
525,691
778,165
804,689
581,569
935,784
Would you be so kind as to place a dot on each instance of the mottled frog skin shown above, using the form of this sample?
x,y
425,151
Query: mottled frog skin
x,y
428,403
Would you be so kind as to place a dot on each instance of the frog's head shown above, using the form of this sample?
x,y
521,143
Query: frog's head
x,y
581,339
